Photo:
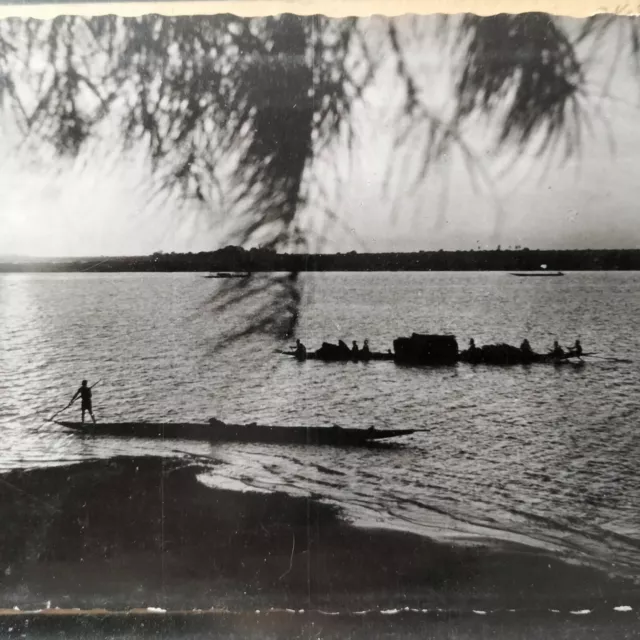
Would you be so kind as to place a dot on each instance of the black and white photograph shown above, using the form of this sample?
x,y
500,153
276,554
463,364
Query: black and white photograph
x,y
320,327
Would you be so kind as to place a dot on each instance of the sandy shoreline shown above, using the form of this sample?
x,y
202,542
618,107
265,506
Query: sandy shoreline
x,y
143,532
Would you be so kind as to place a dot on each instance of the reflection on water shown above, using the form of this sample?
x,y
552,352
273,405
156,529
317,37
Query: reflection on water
x,y
543,454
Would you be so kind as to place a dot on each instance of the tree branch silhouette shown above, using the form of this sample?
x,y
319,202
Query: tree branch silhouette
x,y
235,113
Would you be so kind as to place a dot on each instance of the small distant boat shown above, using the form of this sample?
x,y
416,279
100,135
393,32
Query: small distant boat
x,y
228,275
217,431
539,274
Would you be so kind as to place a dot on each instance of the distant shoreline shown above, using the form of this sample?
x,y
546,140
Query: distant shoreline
x,y
236,259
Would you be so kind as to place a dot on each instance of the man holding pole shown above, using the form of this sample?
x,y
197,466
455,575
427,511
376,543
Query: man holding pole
x,y
85,394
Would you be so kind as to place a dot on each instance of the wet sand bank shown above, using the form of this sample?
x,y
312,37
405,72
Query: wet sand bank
x,y
143,532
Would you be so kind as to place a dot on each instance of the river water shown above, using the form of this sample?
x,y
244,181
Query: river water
x,y
543,455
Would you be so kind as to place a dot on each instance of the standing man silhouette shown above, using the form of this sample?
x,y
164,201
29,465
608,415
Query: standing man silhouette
x,y
85,394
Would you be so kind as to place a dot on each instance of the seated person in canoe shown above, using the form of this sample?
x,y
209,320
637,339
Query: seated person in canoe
x,y
557,351
576,350
526,349
301,350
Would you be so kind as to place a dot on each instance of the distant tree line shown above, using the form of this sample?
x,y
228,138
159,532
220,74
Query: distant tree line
x,y
267,260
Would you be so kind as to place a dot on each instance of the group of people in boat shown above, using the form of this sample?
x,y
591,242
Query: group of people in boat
x,y
525,347
556,352
355,350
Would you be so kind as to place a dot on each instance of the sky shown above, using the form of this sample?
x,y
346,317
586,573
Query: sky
x,y
99,206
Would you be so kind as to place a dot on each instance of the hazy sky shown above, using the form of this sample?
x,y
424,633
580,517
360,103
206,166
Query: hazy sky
x,y
101,208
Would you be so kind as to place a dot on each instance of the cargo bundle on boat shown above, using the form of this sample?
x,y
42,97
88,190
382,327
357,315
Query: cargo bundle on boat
x,y
426,349
501,353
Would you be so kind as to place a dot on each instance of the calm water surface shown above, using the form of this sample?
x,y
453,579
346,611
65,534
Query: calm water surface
x,y
545,455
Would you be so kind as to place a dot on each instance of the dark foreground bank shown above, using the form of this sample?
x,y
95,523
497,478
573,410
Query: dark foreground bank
x,y
137,533
279,625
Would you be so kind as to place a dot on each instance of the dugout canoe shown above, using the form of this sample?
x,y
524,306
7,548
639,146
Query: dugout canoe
x,y
539,274
216,431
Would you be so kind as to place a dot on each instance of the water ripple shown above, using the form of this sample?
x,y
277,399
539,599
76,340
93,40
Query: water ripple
x,y
543,455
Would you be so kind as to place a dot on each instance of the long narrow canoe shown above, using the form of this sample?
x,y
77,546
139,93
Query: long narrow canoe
x,y
538,274
228,275
221,432
518,358
511,356
335,356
